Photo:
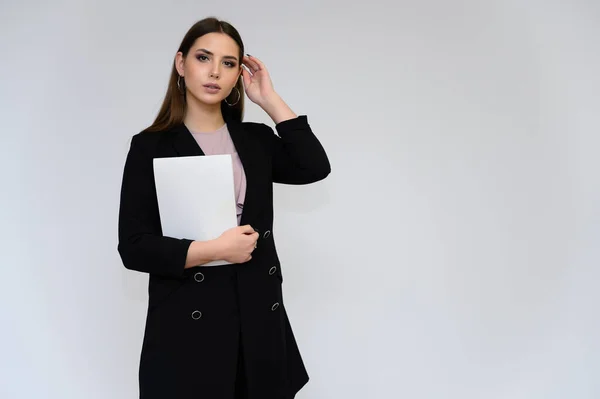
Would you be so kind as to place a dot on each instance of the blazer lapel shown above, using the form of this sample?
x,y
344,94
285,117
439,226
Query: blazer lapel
x,y
184,143
243,145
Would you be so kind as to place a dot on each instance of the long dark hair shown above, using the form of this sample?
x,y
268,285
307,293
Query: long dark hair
x,y
174,105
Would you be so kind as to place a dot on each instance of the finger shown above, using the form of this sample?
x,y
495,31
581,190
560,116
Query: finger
x,y
256,61
247,229
252,69
246,68
246,77
252,242
252,64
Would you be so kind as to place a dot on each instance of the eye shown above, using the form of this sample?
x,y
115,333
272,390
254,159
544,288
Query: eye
x,y
201,57
230,63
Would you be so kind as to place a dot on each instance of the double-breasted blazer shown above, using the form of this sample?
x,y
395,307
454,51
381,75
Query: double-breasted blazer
x,y
197,316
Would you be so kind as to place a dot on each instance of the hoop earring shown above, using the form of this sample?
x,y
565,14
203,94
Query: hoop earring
x,y
239,96
181,90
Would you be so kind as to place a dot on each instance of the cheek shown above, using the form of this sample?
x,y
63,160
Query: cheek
x,y
234,77
193,73
232,82
229,74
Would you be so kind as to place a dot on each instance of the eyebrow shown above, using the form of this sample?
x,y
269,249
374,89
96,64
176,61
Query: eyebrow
x,y
211,53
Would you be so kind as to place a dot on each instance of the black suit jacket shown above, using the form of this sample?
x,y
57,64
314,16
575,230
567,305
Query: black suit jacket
x,y
195,315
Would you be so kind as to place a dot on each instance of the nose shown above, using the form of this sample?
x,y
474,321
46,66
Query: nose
x,y
215,71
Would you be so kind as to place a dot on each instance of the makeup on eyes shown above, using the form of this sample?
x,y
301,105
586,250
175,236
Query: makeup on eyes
x,y
208,52
199,56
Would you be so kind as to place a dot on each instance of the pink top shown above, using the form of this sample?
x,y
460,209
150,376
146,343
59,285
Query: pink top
x,y
218,142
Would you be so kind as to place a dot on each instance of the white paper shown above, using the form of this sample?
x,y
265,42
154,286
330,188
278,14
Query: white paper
x,y
196,197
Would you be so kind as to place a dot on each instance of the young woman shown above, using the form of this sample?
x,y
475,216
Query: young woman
x,y
217,332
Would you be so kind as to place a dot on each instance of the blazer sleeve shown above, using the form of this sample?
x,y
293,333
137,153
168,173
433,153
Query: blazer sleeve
x,y
297,155
142,246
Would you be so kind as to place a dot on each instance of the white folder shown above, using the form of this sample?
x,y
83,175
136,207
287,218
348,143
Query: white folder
x,y
196,197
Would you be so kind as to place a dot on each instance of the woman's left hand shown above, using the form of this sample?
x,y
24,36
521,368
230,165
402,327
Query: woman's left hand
x,y
257,82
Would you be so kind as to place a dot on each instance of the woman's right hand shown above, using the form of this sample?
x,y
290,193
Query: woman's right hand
x,y
237,244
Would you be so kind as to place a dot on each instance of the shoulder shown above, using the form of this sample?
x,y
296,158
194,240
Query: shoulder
x,y
258,132
256,128
299,122
147,141
148,138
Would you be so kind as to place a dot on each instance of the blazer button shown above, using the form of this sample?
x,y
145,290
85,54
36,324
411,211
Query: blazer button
x,y
275,306
196,314
272,270
199,277
267,234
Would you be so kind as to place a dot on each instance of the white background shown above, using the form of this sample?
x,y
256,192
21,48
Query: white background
x,y
452,252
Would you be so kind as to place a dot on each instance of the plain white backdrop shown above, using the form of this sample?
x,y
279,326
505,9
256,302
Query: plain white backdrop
x,y
452,252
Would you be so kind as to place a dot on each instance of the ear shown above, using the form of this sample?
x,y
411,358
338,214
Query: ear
x,y
179,63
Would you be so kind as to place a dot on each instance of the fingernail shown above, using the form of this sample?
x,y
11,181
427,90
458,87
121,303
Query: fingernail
x,y
248,55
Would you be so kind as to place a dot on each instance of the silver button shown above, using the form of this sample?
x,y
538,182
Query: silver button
x,y
199,277
272,270
196,314
267,234
275,306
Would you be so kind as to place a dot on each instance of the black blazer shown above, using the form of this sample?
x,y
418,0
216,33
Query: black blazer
x,y
195,315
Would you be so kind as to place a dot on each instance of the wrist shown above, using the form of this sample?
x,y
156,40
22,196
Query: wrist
x,y
201,252
277,109
271,100
215,249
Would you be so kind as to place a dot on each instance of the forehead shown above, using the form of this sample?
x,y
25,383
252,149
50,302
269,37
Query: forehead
x,y
219,44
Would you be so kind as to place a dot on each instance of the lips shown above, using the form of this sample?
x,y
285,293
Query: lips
x,y
212,86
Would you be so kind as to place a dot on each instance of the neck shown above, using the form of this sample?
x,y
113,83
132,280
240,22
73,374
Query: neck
x,y
201,117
